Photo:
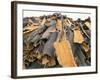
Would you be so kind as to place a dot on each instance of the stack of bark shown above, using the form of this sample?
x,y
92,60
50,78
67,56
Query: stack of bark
x,y
56,41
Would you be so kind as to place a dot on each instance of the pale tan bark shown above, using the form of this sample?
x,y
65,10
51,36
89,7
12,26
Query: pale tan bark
x,y
59,24
88,24
64,53
78,37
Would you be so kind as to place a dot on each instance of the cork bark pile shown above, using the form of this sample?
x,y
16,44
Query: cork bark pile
x,y
56,40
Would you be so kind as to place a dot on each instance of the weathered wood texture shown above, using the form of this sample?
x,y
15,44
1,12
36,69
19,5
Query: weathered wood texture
x,y
56,41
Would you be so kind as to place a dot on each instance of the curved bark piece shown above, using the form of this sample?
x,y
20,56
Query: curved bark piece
x,y
64,53
78,37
